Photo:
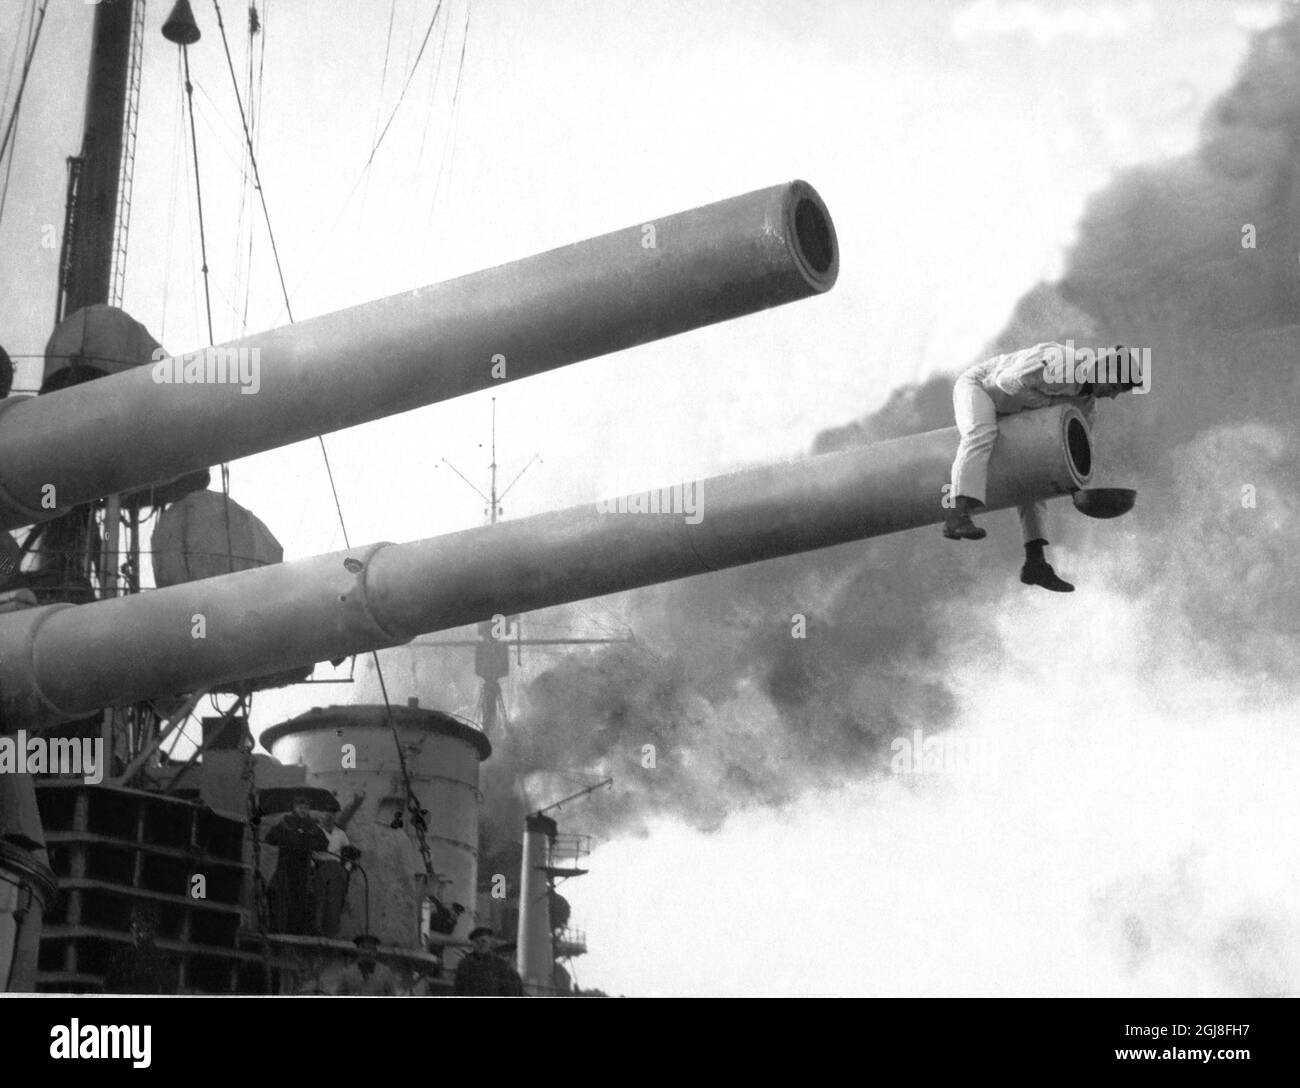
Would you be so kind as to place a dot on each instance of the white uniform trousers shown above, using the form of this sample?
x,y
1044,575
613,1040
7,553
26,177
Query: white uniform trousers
x,y
977,420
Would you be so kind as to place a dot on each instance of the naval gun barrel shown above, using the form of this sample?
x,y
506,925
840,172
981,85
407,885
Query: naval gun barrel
x,y
653,280
62,661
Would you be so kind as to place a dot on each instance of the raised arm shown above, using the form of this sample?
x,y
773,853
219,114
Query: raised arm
x,y
357,800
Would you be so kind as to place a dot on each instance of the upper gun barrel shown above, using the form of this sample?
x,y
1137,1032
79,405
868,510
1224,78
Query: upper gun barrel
x,y
66,660
646,282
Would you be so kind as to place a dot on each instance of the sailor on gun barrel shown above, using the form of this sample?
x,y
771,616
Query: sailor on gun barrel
x,y
1034,377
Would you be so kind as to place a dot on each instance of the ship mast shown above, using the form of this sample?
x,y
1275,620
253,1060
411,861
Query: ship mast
x,y
492,647
92,270
94,239
93,551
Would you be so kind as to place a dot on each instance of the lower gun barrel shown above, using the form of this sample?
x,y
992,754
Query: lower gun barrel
x,y
62,661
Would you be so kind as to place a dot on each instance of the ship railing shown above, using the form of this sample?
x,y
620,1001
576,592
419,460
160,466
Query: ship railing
x,y
567,850
569,942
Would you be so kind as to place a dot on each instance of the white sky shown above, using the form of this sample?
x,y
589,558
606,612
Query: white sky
x,y
955,144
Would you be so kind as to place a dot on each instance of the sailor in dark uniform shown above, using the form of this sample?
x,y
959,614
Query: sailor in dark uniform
x,y
482,973
142,967
298,836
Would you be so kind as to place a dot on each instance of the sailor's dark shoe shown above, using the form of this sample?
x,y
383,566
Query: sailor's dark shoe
x,y
1040,573
960,527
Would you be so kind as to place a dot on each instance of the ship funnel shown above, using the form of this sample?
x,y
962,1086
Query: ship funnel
x,y
180,26
534,951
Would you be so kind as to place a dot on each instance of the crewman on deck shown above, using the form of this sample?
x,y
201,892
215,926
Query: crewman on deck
x,y
482,973
140,967
329,881
298,837
1035,377
443,919
367,977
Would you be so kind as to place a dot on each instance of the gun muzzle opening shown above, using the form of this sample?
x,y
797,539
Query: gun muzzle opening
x,y
812,236
1078,448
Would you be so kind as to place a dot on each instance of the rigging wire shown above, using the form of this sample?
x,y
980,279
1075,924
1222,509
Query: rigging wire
x,y
252,155
449,147
24,31
253,92
439,56
242,223
10,138
406,86
383,75
198,191
207,294
235,155
245,699
417,812
362,174
173,195
374,128
9,166
34,36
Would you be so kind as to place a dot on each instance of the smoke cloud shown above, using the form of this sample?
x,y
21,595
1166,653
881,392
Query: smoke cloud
x,y
741,713
1195,259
